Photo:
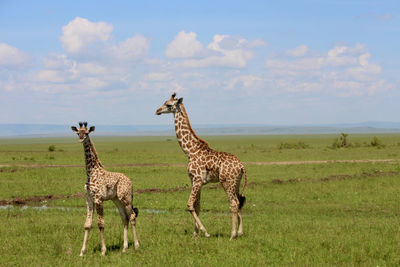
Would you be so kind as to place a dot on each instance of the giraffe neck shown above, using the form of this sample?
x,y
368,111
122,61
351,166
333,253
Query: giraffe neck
x,y
187,138
91,159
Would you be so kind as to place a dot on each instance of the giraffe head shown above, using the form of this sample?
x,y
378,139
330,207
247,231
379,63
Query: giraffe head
x,y
170,106
83,131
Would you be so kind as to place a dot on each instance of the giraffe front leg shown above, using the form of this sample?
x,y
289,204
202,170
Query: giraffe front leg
x,y
197,210
88,223
193,196
100,223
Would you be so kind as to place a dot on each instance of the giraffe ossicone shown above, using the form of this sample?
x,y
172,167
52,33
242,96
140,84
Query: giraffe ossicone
x,y
102,185
207,165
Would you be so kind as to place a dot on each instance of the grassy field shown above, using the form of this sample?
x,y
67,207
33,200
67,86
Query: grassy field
x,y
325,213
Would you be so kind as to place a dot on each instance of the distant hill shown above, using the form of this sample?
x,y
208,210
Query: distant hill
x,y
39,130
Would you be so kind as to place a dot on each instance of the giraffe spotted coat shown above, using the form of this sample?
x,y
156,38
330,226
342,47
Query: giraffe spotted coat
x,y
206,165
102,185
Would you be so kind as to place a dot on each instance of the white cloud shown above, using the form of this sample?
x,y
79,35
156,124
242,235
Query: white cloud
x,y
56,61
299,51
185,45
84,40
52,76
80,32
158,76
87,69
91,62
92,83
246,81
225,51
11,57
132,48
342,71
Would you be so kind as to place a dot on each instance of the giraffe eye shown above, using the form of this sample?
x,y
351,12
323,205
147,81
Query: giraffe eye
x,y
169,105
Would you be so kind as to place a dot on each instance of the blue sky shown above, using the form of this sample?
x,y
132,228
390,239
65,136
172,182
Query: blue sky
x,y
233,62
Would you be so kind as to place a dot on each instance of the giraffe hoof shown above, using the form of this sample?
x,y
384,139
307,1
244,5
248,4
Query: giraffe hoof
x,y
206,234
136,246
195,234
240,233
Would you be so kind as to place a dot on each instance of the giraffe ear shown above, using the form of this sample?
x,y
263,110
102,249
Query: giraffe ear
x,y
74,129
180,100
91,129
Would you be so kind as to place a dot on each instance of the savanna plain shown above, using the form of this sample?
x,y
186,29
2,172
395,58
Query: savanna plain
x,y
309,203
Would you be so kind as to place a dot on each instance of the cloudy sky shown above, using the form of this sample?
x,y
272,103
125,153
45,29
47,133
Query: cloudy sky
x,y
233,62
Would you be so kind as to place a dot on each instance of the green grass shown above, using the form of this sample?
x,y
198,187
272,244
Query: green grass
x,y
308,215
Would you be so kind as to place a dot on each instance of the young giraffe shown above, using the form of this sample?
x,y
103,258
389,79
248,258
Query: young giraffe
x,y
102,185
207,165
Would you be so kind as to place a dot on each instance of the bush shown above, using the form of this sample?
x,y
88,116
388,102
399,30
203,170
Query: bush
x,y
336,143
341,141
52,148
376,142
298,145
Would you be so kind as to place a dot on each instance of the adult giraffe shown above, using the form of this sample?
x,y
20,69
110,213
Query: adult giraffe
x,y
207,165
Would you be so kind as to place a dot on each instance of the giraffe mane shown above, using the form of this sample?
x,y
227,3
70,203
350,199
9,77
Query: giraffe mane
x,y
183,110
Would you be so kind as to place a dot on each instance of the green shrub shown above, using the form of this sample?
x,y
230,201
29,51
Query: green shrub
x,y
376,142
341,141
298,145
52,148
336,143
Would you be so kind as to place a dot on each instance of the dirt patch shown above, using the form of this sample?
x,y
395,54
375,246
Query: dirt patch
x,y
83,166
184,164
8,169
159,190
336,177
320,162
17,201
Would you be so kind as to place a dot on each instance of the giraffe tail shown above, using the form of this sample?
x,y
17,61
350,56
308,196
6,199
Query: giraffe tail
x,y
242,198
135,210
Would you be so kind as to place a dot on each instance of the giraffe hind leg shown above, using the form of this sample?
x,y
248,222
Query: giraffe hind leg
x,y
235,215
133,213
125,220
240,230
232,193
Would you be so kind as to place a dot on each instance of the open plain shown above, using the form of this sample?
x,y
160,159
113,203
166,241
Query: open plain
x,y
307,203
